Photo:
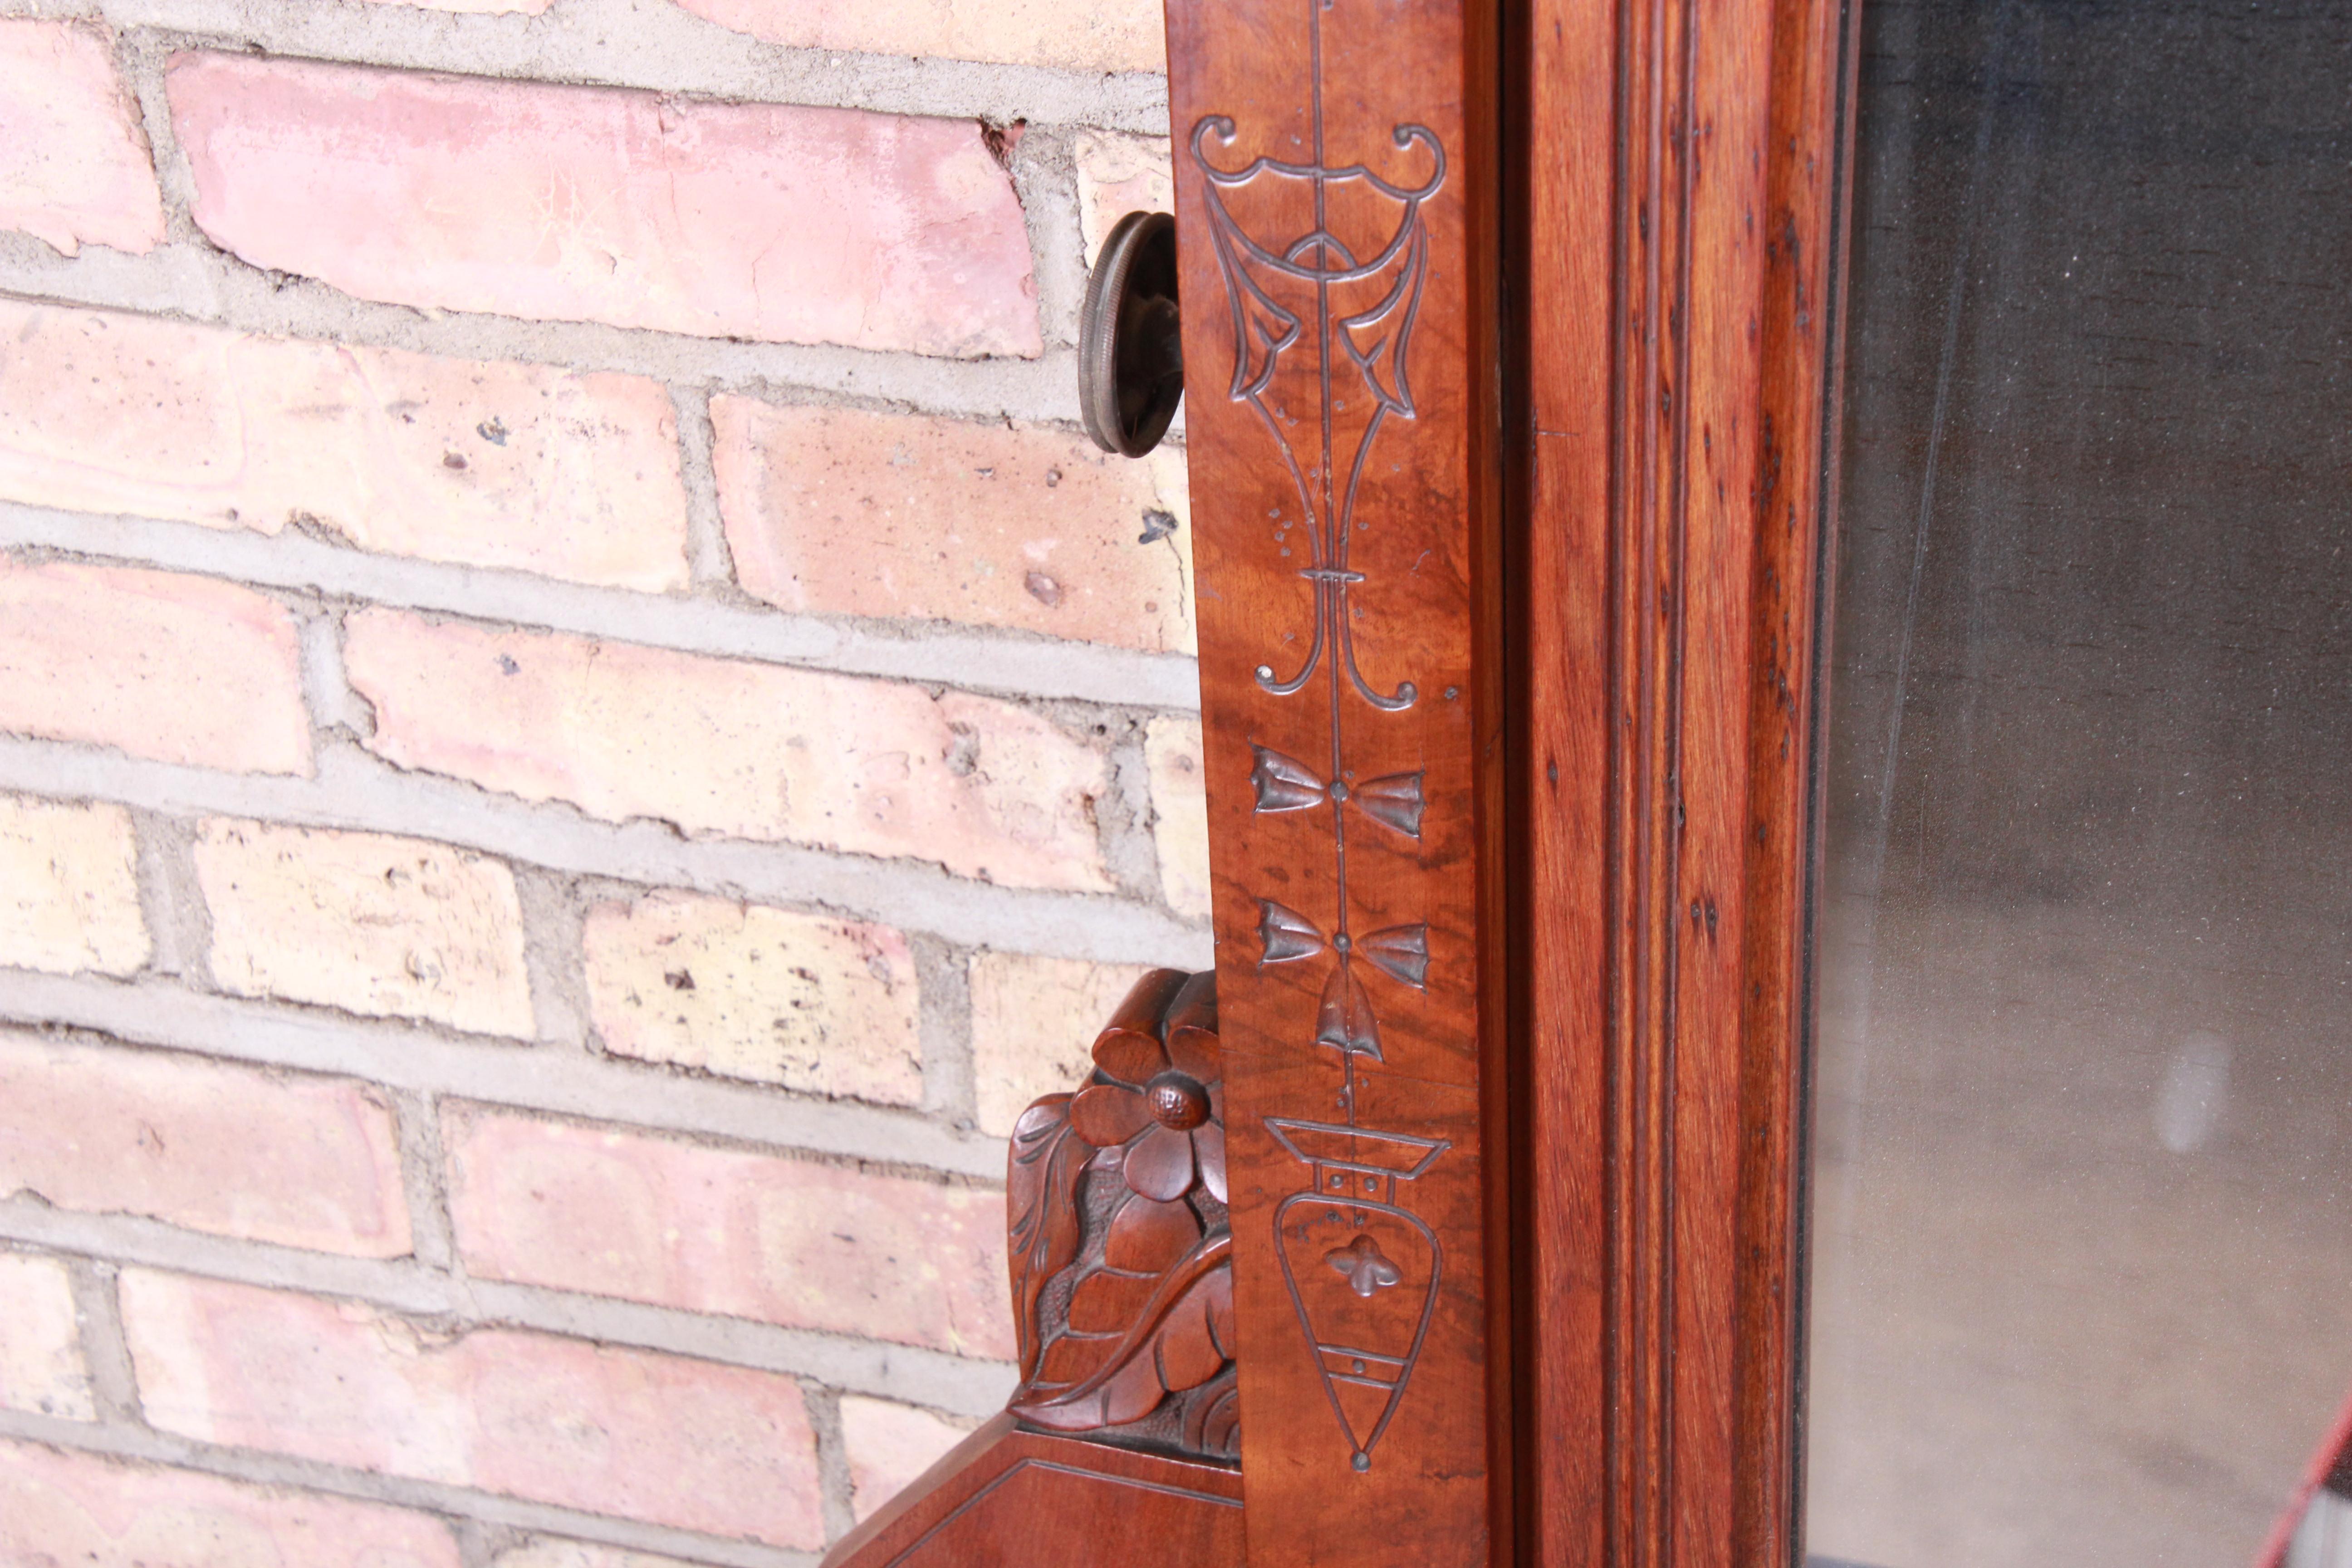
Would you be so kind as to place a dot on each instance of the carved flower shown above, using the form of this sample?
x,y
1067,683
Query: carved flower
x,y
1165,1107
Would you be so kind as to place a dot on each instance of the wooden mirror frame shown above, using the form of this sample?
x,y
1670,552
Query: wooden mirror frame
x,y
1512,811
1684,191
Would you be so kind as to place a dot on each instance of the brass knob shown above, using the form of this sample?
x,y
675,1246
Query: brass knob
x,y
1130,352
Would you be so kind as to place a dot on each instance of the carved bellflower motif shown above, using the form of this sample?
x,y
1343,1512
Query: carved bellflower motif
x,y
1163,1108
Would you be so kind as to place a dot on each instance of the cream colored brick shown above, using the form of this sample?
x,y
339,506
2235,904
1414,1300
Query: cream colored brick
x,y
365,922
890,1446
1179,802
41,1367
1116,176
68,889
1033,1023
820,1005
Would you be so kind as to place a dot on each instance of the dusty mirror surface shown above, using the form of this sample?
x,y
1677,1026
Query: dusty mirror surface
x,y
2081,1240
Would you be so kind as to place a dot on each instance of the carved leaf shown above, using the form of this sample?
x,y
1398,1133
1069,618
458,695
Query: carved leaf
x,y
1402,951
1198,1339
1394,801
1284,783
1345,1020
1040,1192
1286,934
1179,1336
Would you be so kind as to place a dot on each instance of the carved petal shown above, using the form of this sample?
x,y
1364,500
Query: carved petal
x,y
1162,1165
1287,934
1402,951
1147,1236
1209,1148
1345,1021
1134,1059
1395,801
1194,1052
1284,783
1110,1113
1129,1046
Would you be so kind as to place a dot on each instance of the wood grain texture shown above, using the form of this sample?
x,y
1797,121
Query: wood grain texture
x,y
1336,193
1004,1498
1681,190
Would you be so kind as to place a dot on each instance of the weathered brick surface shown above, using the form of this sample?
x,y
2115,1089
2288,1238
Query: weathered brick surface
x,y
782,223
74,168
176,669
41,1366
846,512
523,7
820,1006
1033,1023
304,1161
889,1445
1113,36
542,470
656,1437
578,1554
78,1510
748,751
68,887
1118,174
366,922
616,1213
1179,802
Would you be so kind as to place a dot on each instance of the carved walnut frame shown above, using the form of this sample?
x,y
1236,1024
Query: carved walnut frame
x,y
1463,1205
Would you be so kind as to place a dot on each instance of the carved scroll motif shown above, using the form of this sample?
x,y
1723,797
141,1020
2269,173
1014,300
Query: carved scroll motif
x,y
1323,266
1122,1282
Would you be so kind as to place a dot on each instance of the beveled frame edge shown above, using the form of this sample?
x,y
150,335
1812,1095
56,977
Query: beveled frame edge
x,y
1678,204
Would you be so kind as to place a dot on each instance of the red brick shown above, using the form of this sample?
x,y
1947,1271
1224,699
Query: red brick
x,y
747,750
303,1162
616,1213
180,670
1074,35
767,221
573,476
74,167
661,1438
845,512
77,1511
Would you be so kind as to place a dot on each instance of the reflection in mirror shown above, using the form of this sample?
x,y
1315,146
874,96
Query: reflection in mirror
x,y
2080,1213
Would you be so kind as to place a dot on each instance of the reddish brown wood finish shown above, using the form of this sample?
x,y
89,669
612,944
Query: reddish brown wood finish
x,y
1008,1499
1680,197
1342,424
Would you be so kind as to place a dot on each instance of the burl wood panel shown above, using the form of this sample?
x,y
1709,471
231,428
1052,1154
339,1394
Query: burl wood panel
x,y
1681,187
1336,194
1004,1498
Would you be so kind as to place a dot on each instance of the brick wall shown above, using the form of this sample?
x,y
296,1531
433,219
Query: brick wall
x,y
579,730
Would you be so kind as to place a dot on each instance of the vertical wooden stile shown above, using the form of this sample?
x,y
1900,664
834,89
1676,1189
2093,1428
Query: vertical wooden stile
x,y
1336,201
